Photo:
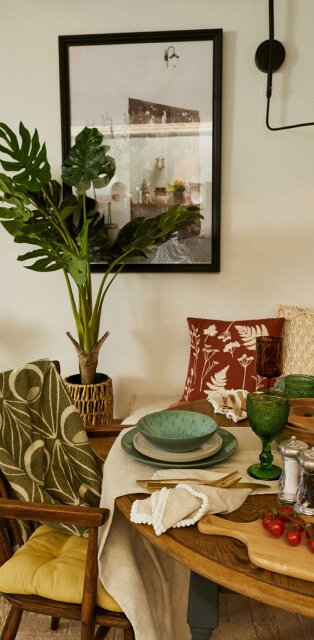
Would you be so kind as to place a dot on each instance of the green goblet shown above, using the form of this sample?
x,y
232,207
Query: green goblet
x,y
267,413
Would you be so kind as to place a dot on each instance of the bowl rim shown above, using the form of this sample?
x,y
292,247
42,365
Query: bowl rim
x,y
299,377
175,412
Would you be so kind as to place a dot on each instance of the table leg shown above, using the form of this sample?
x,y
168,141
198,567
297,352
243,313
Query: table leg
x,y
203,607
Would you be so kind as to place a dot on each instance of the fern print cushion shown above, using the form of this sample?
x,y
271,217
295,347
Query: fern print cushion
x,y
222,355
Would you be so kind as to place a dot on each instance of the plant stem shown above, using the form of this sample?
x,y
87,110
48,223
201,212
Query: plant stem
x,y
75,312
101,294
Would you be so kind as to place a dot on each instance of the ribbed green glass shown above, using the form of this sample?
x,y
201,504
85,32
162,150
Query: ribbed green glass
x,y
267,412
299,386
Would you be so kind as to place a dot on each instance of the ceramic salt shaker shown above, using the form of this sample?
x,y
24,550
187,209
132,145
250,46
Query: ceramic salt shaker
x,y
305,493
289,479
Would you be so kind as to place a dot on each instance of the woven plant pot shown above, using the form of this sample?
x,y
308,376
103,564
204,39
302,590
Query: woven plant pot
x,y
94,402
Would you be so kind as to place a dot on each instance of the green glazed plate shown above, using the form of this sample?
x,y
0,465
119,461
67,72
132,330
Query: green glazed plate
x,y
229,447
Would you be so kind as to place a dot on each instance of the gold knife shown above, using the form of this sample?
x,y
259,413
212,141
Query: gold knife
x,y
248,485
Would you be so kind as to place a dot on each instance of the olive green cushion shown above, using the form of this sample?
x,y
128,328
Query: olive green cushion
x,y
51,564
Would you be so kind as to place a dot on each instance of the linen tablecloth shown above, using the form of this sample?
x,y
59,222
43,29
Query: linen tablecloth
x,y
150,587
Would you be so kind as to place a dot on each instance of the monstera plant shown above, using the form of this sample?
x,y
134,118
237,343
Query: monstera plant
x,y
67,233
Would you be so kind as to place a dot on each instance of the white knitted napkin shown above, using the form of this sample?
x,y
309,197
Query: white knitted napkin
x,y
178,507
186,503
229,403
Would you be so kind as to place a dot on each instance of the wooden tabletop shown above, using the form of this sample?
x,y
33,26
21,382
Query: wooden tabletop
x,y
225,560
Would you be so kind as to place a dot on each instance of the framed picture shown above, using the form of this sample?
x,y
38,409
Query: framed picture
x,y
156,98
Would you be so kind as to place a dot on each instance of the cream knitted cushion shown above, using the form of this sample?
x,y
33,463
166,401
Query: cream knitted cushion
x,y
298,339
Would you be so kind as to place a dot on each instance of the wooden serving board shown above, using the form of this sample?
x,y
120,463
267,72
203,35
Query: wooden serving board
x,y
302,413
264,550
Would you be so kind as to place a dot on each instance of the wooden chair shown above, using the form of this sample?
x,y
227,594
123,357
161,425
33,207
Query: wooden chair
x,y
87,612
77,583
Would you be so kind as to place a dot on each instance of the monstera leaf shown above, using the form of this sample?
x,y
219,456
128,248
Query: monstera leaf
x,y
24,219
140,235
97,240
88,161
53,255
28,160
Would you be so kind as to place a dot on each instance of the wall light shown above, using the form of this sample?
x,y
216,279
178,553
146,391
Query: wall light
x,y
170,54
269,57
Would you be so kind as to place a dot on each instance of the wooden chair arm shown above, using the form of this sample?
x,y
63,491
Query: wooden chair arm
x,y
66,514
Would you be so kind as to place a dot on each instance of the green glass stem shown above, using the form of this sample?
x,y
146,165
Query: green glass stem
x,y
265,469
266,457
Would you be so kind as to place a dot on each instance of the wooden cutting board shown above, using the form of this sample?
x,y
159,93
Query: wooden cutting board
x,y
264,550
302,413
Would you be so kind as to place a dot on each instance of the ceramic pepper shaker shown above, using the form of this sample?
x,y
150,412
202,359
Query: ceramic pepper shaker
x,y
289,479
305,493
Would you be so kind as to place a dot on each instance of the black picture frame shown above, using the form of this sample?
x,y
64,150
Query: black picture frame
x,y
157,98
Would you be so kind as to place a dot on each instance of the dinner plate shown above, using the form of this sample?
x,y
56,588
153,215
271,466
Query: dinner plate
x,y
229,446
209,448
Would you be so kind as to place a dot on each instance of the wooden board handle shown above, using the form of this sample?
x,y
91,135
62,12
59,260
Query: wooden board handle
x,y
214,525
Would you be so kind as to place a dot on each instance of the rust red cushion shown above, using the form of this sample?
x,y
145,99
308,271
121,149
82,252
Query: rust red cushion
x,y
222,355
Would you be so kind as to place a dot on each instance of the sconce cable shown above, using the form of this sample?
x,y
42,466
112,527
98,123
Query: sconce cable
x,y
272,52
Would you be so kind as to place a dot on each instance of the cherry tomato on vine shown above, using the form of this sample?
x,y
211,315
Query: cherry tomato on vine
x,y
276,527
309,531
267,517
298,523
293,537
311,545
285,513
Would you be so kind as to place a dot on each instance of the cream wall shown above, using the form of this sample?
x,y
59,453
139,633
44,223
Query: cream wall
x,y
267,188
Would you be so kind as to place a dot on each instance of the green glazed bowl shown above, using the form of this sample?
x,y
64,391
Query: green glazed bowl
x,y
177,431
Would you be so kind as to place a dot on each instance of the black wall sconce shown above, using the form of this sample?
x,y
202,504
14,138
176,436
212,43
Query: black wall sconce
x,y
269,57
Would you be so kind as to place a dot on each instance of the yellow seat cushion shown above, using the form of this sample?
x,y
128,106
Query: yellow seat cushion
x,y
51,564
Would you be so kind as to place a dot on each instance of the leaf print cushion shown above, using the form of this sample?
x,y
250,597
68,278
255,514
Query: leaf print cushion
x,y
222,355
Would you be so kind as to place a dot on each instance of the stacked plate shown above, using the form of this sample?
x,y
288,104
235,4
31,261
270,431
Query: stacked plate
x,y
178,439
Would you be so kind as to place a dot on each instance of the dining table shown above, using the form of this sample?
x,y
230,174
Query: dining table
x,y
218,562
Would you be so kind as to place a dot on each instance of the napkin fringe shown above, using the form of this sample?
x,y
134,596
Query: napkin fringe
x,y
186,522
158,503
137,517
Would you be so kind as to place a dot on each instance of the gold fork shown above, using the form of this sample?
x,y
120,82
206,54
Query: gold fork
x,y
224,481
